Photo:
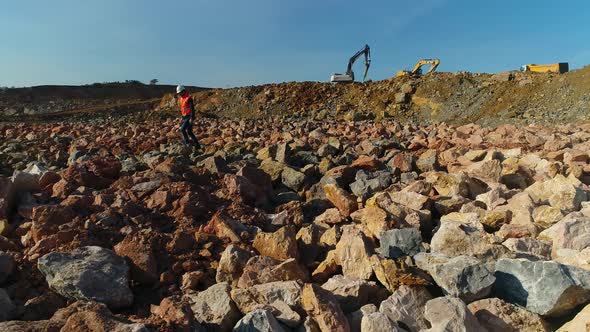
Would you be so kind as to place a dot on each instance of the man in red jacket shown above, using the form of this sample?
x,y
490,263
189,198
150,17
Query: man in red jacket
x,y
187,110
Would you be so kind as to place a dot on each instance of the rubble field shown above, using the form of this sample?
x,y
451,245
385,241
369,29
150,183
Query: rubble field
x,y
108,223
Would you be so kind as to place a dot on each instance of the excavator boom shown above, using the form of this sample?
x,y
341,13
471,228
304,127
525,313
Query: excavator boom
x,y
417,68
349,76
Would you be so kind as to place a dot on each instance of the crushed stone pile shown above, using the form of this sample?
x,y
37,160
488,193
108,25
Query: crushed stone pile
x,y
294,225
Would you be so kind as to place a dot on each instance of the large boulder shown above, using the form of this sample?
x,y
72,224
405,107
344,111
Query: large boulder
x,y
92,316
398,243
351,293
214,309
293,179
352,253
580,323
231,264
323,307
144,267
264,269
378,322
449,184
280,244
367,184
464,277
342,200
560,192
450,314
573,232
458,238
258,320
394,273
406,307
85,273
288,292
530,248
355,318
373,219
177,314
497,315
546,216
579,258
543,287
487,170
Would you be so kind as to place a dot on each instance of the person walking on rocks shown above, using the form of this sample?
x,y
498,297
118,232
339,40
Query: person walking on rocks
x,y
187,110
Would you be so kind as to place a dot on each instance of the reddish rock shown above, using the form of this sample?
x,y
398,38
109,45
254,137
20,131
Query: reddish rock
x,y
48,179
345,203
43,306
190,280
257,177
63,188
323,307
168,166
92,316
508,231
144,267
176,312
79,203
367,162
216,165
47,219
191,204
159,200
181,242
78,175
292,213
242,187
263,269
224,227
404,161
105,168
167,278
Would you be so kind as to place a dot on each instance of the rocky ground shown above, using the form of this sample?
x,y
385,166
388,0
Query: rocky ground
x,y
293,225
52,100
457,98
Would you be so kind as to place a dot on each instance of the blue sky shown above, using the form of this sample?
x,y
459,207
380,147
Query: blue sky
x,y
232,43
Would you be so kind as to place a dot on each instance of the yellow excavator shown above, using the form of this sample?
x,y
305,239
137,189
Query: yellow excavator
x,y
417,71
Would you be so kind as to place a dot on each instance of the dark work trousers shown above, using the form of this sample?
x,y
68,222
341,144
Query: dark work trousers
x,y
186,128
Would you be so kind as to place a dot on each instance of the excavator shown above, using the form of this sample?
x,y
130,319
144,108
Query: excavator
x,y
417,71
349,76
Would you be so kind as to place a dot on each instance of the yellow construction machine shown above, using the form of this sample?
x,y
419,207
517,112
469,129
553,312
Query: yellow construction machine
x,y
417,71
561,67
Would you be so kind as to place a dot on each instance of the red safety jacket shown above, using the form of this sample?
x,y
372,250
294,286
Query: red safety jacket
x,y
185,105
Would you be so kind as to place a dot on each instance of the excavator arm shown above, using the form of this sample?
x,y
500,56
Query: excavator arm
x,y
367,52
349,75
433,62
416,71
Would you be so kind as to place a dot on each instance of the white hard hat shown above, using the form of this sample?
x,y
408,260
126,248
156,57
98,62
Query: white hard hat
x,y
179,88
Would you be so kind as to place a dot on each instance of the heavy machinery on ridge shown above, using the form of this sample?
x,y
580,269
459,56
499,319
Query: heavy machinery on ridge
x,y
417,71
349,75
560,68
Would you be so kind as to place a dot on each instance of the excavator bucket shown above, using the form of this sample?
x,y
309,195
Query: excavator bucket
x,y
367,65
